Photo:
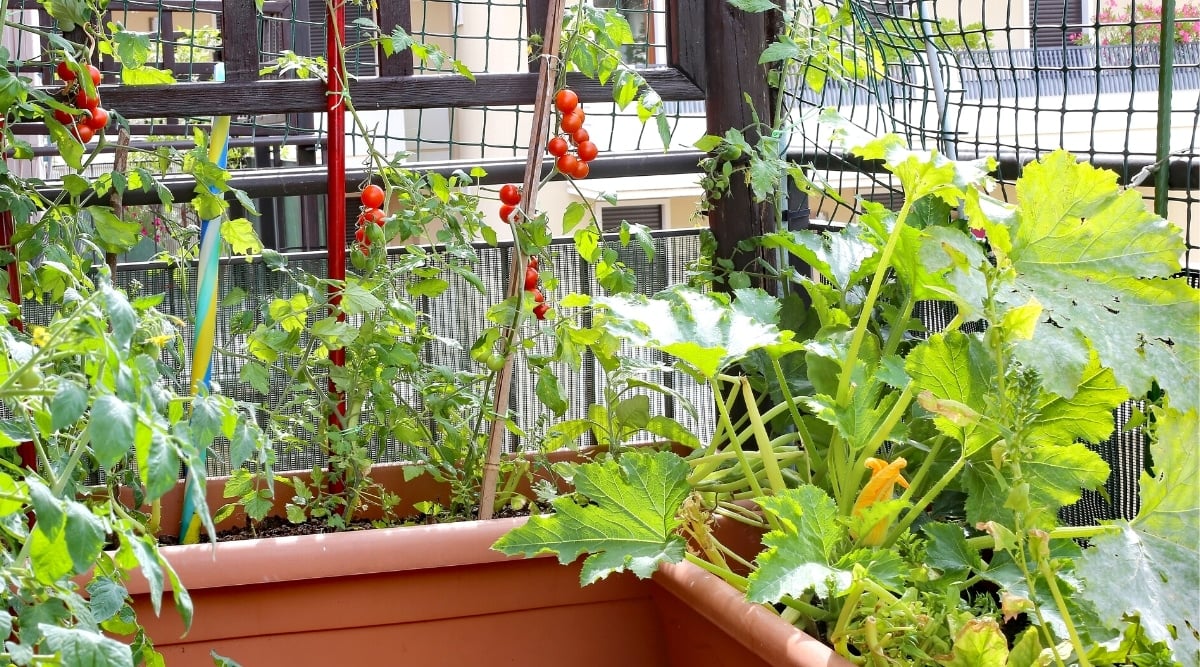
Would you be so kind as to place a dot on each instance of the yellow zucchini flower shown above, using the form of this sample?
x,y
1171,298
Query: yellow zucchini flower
x,y
884,478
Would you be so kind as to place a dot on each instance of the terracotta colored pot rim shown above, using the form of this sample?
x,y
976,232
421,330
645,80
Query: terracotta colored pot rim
x,y
304,557
756,627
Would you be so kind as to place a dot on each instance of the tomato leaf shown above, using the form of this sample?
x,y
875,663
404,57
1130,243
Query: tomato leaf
x,y
629,521
241,237
77,646
115,234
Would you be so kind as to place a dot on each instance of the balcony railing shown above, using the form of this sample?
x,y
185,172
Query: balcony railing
x,y
1073,70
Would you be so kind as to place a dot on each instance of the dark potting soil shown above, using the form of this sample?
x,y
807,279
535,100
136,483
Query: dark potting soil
x,y
274,526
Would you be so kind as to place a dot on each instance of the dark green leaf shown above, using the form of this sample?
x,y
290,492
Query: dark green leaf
x,y
106,596
629,523
111,429
85,536
85,648
800,555
550,392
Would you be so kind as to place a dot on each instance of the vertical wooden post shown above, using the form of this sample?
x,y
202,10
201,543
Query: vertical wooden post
x,y
734,40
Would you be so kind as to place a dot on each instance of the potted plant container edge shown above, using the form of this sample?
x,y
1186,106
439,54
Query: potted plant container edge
x,y
409,595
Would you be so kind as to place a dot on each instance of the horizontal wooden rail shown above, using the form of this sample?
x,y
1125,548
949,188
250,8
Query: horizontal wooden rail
x,y
312,180
264,97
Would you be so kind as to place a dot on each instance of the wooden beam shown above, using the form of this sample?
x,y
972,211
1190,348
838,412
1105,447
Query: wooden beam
x,y
393,14
414,92
239,41
735,40
686,39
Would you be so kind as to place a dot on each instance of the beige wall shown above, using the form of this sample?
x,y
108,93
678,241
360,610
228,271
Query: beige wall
x,y
994,15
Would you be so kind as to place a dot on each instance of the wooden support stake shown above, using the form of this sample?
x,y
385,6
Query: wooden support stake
x,y
542,108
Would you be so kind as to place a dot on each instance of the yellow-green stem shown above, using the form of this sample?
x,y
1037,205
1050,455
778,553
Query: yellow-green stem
x,y
860,328
1043,561
770,463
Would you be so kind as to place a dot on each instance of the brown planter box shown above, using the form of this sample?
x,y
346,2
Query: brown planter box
x,y
438,595
431,596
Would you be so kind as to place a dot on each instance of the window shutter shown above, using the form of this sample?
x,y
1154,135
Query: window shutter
x,y
1054,20
647,216
360,61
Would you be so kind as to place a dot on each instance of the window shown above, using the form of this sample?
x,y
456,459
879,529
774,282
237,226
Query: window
x,y
361,60
647,216
1053,22
641,15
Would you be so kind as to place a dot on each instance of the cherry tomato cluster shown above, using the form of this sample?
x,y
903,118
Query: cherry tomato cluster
x,y
572,147
510,199
533,291
372,213
95,117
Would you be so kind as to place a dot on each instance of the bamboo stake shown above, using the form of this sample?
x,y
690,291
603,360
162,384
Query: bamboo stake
x,y
516,283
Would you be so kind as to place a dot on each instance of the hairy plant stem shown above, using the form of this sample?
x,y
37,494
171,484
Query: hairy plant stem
x,y
737,581
1047,572
769,463
868,305
916,509
745,463
1061,533
706,465
806,439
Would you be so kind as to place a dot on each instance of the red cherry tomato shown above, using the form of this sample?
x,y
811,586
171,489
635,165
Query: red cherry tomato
x,y
573,121
372,215
533,261
83,101
97,119
557,147
531,279
372,196
587,151
566,100
538,297
361,235
83,133
566,164
94,74
510,194
64,71
581,135
581,171
539,311
63,117
506,212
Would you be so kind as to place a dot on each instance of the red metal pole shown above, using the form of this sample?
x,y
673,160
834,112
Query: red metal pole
x,y
25,450
335,157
